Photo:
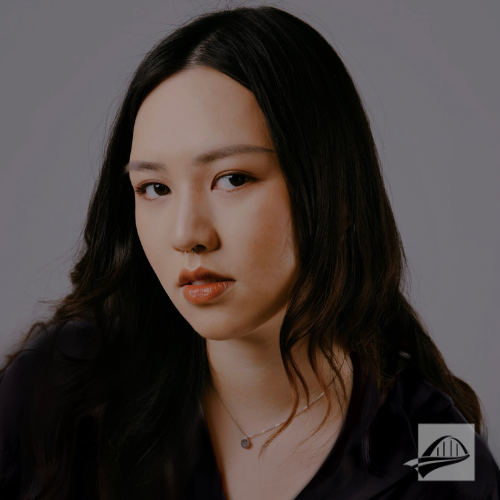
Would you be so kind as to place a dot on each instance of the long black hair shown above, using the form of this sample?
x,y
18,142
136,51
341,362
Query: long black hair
x,y
143,383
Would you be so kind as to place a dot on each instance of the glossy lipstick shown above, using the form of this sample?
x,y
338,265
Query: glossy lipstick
x,y
199,294
203,285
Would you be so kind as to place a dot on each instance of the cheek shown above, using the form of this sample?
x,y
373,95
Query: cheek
x,y
144,230
265,240
152,239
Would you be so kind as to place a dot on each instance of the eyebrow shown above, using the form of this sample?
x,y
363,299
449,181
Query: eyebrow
x,y
202,159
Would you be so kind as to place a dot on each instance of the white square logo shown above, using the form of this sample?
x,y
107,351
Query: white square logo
x,y
445,452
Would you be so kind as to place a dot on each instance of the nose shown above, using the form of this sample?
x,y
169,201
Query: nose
x,y
193,226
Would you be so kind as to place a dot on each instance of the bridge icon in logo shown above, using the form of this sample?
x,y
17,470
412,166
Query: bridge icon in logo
x,y
443,451
440,453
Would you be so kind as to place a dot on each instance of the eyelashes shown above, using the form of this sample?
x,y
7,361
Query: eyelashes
x,y
143,190
152,191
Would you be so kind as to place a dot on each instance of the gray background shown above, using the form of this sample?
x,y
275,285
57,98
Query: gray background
x,y
429,74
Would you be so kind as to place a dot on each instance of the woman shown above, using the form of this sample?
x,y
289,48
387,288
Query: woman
x,y
237,326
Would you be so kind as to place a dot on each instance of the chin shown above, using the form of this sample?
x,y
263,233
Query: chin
x,y
231,321
217,330
213,325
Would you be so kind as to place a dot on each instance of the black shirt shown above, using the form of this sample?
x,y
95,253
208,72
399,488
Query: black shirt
x,y
366,462
384,435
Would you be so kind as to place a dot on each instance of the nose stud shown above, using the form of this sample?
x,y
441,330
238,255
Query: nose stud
x,y
192,250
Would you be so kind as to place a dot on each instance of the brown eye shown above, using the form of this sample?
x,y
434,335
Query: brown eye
x,y
232,180
237,179
154,190
160,189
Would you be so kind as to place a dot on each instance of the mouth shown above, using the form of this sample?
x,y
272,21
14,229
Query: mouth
x,y
201,292
201,276
204,282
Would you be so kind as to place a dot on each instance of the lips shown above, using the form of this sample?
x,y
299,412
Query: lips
x,y
200,276
202,294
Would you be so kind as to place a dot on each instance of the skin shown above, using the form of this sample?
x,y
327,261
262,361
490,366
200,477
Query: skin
x,y
244,232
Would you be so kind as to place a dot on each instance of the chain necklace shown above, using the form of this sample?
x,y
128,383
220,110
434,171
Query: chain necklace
x,y
245,442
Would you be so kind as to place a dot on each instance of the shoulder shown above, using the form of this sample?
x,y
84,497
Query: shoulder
x,y
74,339
28,370
416,401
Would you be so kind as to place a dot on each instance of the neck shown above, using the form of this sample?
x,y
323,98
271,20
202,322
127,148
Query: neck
x,y
249,376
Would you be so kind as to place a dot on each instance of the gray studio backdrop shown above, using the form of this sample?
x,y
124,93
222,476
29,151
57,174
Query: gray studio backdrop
x,y
429,74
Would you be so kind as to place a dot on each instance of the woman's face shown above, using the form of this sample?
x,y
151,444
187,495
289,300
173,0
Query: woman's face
x,y
205,174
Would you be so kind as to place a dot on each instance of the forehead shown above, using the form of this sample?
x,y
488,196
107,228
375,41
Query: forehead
x,y
197,109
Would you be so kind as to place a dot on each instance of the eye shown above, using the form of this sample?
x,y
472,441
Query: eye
x,y
152,190
230,181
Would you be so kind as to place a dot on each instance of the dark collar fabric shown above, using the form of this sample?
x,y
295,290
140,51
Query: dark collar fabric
x,y
376,440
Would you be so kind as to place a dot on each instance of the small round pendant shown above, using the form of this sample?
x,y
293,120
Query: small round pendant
x,y
245,443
